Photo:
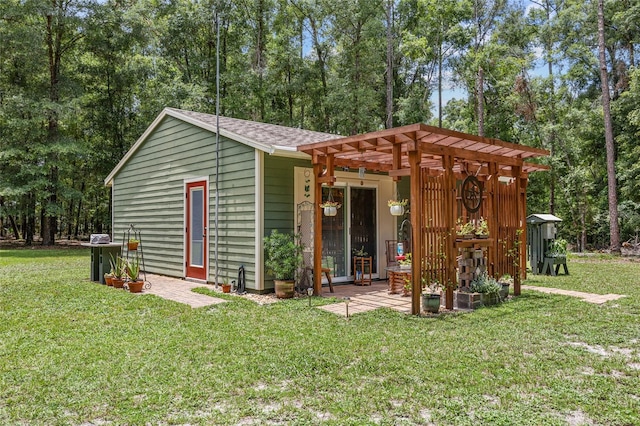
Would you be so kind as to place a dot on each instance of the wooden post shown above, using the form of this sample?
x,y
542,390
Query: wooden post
x,y
493,219
523,226
417,253
521,220
450,221
317,232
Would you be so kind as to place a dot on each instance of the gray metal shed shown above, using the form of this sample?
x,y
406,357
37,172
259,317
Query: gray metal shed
x,y
541,232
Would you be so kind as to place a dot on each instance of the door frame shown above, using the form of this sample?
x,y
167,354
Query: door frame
x,y
347,183
185,250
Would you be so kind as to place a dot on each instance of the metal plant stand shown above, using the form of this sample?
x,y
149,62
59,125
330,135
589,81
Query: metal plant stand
x,y
137,252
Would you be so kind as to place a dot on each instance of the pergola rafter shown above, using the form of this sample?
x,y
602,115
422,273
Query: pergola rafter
x,y
425,153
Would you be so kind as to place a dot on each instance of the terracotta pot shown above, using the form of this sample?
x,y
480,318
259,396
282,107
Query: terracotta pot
x,y
108,280
226,288
117,282
284,289
136,286
132,246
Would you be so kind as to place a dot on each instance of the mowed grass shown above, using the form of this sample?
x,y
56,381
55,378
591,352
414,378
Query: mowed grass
x,y
79,353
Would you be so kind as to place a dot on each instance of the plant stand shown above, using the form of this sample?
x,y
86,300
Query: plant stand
x,y
362,270
558,261
397,279
136,252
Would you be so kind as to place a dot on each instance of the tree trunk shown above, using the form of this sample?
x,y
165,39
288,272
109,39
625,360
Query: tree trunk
x,y
389,121
614,228
440,85
480,94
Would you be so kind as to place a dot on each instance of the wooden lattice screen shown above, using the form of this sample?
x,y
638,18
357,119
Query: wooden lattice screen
x,y
438,232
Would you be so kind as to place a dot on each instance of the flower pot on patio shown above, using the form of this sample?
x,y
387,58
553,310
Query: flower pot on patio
x,y
226,288
135,286
431,302
284,289
117,282
108,279
504,292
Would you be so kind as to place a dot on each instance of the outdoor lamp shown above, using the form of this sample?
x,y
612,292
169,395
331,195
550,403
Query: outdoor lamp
x,y
346,303
310,293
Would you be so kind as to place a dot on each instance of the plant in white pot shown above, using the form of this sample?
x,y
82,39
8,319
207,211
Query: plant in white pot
x,y
283,258
396,207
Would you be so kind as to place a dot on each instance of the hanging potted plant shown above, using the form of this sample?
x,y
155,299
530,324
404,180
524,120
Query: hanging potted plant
x,y
330,207
283,258
134,283
132,245
396,207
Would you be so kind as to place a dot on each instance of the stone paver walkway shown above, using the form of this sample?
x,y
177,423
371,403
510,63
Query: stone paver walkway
x,y
587,297
365,298
179,291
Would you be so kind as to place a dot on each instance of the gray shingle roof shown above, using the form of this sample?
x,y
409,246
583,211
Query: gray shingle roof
x,y
262,133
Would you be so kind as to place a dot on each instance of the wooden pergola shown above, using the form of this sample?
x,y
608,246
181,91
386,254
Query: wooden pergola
x,y
437,160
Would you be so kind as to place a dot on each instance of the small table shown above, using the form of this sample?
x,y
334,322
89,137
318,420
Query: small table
x,y
100,255
362,270
397,279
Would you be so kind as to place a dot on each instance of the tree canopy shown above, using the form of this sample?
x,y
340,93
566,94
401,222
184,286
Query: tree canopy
x,y
81,79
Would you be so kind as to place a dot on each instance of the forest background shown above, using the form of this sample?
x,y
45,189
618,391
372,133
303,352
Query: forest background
x,y
81,80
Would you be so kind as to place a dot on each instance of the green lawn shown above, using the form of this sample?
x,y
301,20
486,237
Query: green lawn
x,y
75,352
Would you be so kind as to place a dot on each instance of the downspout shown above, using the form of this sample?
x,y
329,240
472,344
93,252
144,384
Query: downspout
x,y
217,205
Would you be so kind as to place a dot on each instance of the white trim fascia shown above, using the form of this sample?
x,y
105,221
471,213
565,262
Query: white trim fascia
x,y
113,212
259,224
289,153
184,229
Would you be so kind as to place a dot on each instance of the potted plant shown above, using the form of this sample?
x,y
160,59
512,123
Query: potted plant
x,y
431,297
283,258
406,288
464,230
226,287
482,228
135,284
330,207
132,245
505,282
557,249
396,207
108,279
405,262
118,267
487,287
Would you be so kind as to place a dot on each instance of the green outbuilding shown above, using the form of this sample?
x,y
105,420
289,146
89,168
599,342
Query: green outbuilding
x,y
171,186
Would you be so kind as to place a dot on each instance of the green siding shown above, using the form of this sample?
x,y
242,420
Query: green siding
x,y
149,192
279,208
279,193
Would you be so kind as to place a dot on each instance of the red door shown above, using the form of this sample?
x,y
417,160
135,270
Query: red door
x,y
196,230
